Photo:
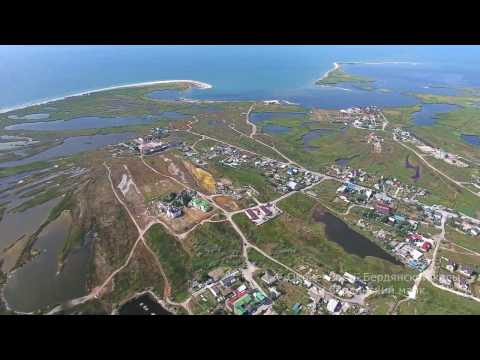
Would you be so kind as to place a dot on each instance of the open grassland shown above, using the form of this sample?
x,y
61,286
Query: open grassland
x,y
141,273
433,301
203,305
381,304
462,239
225,133
174,259
208,247
321,151
326,192
446,99
291,295
460,257
214,245
401,116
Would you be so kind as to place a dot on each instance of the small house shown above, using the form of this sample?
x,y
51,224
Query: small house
x,y
269,279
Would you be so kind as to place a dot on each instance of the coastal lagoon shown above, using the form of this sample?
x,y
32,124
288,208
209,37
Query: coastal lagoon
x,y
71,146
410,76
36,284
429,113
94,122
472,139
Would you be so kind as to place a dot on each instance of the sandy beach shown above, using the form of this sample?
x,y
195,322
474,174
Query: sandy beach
x,y
336,65
194,83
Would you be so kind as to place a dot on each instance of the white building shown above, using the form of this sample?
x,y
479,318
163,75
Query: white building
x,y
292,185
334,306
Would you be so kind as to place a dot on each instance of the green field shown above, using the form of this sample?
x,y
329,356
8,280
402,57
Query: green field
x,y
433,301
467,241
210,246
175,261
381,304
214,245
400,116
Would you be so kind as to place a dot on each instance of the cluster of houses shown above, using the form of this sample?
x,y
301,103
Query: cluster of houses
x,y
434,213
437,153
262,213
412,251
321,301
234,293
285,178
368,117
172,205
282,177
224,187
376,142
467,225
352,192
346,286
360,181
457,276
150,143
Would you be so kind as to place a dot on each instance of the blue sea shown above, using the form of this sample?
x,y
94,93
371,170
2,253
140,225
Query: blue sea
x,y
32,73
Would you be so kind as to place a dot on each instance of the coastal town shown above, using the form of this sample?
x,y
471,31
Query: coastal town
x,y
208,207
390,211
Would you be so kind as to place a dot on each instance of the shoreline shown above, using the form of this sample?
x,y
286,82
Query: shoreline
x,y
194,83
338,64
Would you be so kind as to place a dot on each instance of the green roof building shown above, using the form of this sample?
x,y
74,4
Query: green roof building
x,y
240,305
200,204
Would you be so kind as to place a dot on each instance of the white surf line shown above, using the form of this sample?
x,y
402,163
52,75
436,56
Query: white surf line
x,y
380,62
198,84
336,65
335,87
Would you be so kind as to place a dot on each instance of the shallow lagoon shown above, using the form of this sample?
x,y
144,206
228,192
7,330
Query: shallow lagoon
x,y
71,146
472,139
429,113
36,284
93,122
